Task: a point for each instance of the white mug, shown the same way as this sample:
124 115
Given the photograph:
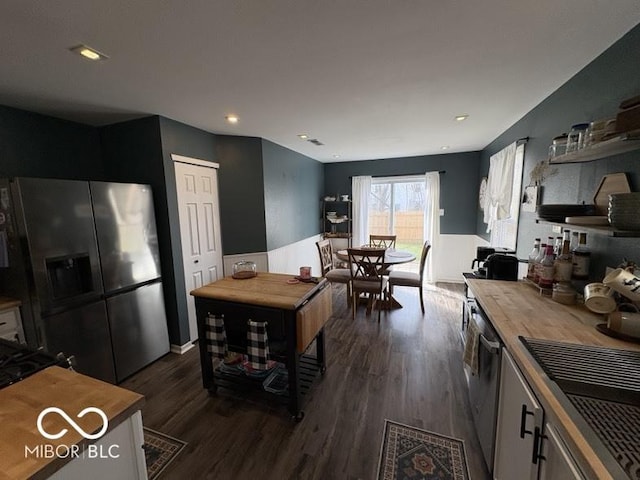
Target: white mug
625 283
599 298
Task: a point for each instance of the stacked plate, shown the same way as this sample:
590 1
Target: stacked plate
558 212
624 211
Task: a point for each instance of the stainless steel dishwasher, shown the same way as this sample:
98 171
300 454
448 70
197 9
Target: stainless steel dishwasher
485 383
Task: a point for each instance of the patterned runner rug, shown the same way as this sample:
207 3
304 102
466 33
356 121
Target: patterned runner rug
159 451
410 453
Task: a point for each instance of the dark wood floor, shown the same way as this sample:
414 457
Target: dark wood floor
407 369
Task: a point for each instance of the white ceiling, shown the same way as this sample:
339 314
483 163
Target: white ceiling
368 78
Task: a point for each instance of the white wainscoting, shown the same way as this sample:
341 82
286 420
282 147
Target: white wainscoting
290 258
259 258
457 253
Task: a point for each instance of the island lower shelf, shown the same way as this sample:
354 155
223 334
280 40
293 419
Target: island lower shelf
295 317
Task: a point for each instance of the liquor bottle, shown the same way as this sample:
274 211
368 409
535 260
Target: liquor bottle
581 258
574 240
563 265
557 247
531 267
536 269
546 269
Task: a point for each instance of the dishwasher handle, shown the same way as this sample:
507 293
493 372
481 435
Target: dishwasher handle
492 347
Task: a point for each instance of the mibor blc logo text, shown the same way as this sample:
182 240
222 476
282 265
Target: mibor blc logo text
47 450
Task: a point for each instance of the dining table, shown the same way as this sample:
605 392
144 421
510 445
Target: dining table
392 257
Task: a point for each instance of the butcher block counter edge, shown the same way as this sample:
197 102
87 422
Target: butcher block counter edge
516 309
72 392
266 290
7 303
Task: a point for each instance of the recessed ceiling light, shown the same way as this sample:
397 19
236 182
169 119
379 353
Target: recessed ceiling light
88 52
303 136
232 119
444 147
461 118
336 156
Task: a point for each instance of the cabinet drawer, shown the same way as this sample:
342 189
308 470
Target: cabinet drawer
312 317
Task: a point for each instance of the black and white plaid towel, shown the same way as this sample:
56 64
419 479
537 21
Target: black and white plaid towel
257 345
216 336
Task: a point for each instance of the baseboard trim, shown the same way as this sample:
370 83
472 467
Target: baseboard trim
181 349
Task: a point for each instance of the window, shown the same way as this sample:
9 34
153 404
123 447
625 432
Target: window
502 205
396 207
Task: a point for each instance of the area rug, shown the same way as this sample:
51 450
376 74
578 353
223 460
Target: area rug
409 453
159 451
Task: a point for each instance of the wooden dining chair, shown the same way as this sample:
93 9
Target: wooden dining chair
382 241
410 279
334 275
366 266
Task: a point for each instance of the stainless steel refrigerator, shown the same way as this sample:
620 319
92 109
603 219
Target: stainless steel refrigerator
83 258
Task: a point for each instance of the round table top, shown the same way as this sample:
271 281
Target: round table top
391 256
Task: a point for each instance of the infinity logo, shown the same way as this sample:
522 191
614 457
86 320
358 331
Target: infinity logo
69 420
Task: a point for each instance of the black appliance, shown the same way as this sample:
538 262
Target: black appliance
501 267
481 255
18 361
83 259
483 385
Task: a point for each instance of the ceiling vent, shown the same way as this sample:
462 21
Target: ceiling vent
315 141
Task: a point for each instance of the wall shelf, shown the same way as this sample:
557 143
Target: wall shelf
623 143
340 226
603 230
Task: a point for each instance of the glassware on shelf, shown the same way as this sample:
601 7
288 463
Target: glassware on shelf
576 137
558 146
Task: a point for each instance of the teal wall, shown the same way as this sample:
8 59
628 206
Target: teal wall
595 92
458 185
293 184
33 145
241 186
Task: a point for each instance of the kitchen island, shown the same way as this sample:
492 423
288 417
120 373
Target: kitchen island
26 454
516 309
295 314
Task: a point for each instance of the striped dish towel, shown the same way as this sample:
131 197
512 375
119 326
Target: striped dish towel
216 336
257 345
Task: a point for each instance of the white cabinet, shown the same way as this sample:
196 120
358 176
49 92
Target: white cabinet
526 447
556 461
519 415
117 455
11 325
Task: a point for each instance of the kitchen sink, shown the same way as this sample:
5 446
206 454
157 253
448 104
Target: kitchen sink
602 386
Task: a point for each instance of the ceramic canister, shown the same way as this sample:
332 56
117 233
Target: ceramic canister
599 298
627 323
625 283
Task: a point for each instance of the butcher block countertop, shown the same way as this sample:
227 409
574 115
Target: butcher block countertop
22 402
265 289
516 308
6 303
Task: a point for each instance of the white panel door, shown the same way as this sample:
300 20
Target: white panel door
197 188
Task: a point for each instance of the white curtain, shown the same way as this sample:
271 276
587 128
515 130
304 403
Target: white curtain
497 202
432 223
360 191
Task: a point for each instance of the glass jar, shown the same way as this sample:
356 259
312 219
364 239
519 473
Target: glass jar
244 269
563 293
558 146
576 137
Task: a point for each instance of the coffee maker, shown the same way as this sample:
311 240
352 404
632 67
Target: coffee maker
481 256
